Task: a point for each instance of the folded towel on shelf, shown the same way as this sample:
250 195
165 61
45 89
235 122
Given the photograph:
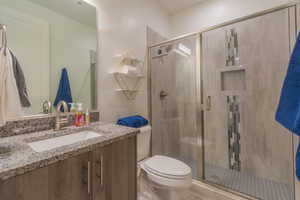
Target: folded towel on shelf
288 112
133 121
64 89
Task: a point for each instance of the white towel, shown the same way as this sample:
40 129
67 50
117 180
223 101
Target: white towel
10 105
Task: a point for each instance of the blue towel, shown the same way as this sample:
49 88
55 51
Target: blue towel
298 162
64 90
133 121
288 112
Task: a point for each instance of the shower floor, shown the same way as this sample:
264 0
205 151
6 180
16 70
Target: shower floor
248 184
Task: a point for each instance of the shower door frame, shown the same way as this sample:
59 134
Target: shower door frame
294 7
199 90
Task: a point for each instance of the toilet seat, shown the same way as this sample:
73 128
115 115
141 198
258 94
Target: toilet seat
167 171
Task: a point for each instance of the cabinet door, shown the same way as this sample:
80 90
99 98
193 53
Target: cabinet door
31 186
71 179
122 168
114 171
101 181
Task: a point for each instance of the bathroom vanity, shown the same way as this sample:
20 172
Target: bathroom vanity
98 168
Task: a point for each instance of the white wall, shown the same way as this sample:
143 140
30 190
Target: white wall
214 12
122 27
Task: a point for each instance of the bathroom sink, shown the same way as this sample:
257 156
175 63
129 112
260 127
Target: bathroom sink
53 143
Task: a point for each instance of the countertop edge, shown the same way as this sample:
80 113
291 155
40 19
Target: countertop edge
31 166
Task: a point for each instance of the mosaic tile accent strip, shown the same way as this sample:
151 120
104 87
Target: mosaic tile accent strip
232 48
19 127
234 135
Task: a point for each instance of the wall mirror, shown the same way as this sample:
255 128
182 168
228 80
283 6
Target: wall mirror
55 43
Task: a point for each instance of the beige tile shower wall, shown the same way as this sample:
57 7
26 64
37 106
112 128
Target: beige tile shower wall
122 27
213 12
261 53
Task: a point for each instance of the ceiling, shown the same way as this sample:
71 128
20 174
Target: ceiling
173 6
83 12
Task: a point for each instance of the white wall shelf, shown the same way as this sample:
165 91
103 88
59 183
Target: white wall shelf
125 90
127 75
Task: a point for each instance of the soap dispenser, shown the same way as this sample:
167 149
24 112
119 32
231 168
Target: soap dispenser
79 116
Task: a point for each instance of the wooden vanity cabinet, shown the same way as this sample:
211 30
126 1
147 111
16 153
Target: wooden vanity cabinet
64 180
124 170
114 171
100 178
30 186
108 173
69 179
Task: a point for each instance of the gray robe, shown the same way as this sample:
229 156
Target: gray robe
21 83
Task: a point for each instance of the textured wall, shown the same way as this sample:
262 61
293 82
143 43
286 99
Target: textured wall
122 28
214 12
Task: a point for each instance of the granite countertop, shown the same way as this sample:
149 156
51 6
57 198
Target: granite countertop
22 158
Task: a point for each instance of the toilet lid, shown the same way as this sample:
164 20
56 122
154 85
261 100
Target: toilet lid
168 167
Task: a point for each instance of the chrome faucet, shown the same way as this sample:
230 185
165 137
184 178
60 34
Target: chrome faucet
60 120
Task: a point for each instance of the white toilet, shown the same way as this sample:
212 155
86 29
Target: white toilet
163 174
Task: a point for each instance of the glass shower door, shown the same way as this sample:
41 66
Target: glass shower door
175 116
245 149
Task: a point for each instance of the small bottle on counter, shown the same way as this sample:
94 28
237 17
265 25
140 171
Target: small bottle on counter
72 107
79 116
87 117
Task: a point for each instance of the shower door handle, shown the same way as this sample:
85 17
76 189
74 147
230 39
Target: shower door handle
208 103
163 94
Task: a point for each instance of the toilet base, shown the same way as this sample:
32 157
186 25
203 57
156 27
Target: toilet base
148 190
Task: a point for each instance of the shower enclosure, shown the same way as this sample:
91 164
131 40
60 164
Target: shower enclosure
244 65
176 118
213 102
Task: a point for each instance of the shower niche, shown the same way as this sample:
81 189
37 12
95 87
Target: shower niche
233 79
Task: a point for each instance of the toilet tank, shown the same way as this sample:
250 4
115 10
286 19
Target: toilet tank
144 143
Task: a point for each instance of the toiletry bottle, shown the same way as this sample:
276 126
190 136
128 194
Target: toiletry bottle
79 117
87 117
72 107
